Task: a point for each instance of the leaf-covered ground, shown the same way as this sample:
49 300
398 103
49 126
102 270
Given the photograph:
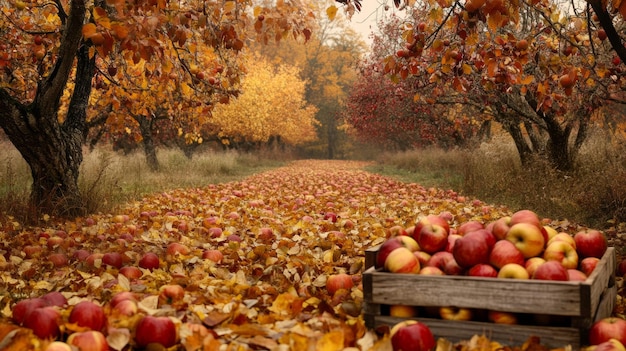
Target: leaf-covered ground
279 240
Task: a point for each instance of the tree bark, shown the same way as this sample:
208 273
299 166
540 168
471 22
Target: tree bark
53 149
149 147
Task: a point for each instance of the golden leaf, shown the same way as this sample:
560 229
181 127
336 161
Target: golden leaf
331 12
89 30
332 341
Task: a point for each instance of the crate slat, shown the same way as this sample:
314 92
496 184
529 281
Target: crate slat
456 331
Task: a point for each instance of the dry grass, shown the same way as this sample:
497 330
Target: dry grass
108 179
593 194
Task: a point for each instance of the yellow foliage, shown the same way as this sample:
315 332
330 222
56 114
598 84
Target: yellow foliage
271 104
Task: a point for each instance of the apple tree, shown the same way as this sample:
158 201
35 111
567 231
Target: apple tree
541 74
52 49
270 106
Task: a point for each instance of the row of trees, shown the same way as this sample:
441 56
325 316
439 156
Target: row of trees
138 69
543 70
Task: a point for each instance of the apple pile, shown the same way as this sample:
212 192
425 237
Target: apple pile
518 246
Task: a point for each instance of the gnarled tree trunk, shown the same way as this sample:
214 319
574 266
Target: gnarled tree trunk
53 149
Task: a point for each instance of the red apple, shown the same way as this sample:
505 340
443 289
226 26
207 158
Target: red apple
513 271
213 254
89 315
452 238
551 270
23 308
452 313
445 261
113 259
89 341
396 230
149 261
387 247
126 308
431 270
432 238
505 252
527 238
575 275
607 328
402 260
131 272
502 317
411 335
171 293
532 264
486 236
44 322
562 252
402 311
526 216
562 236
430 220
177 249
471 250
588 265
621 268
159 330
58 259
58 346
610 345
338 281
482 270
55 298
32 250
500 227
591 243
422 257
81 255
469 226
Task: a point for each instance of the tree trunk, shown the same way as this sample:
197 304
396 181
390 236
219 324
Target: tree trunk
53 149
523 149
149 148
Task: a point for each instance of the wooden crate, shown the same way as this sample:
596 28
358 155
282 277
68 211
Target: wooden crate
576 305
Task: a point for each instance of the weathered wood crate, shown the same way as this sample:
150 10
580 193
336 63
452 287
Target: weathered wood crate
575 305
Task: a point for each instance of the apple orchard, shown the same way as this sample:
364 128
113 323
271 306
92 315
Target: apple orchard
277 261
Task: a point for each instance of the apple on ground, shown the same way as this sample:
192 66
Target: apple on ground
149 261
44 322
588 264
338 281
453 313
551 270
402 260
591 243
55 298
402 311
574 275
471 249
445 261
527 238
23 308
89 340
156 330
170 293
532 264
58 346
607 328
621 268
502 317
88 314
562 252
411 335
505 252
513 271
483 270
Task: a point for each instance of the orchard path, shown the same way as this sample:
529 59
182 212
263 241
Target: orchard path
281 233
